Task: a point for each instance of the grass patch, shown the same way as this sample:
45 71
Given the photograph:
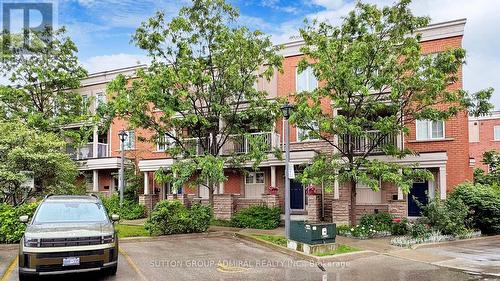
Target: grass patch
341 249
275 239
126 230
225 223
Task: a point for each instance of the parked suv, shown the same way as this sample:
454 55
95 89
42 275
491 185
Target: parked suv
68 234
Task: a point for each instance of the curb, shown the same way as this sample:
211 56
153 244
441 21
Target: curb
301 255
173 237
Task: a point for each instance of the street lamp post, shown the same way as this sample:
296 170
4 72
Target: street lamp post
286 110
121 176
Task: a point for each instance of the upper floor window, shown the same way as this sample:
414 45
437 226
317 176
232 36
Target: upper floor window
100 99
85 104
164 142
497 132
129 142
305 134
430 129
306 81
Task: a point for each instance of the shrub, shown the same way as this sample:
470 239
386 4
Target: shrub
11 229
484 204
172 217
259 217
131 210
449 217
420 229
400 227
377 222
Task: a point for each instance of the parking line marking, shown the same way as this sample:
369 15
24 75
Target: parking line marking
9 270
132 264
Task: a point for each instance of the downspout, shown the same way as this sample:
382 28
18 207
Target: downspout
322 201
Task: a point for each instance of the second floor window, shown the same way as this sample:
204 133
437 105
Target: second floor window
100 99
430 129
497 133
129 142
164 142
306 81
305 134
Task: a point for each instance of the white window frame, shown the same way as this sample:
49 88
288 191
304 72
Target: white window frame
165 142
301 131
308 72
129 145
496 133
429 130
99 101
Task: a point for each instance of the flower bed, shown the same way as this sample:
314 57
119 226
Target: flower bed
434 237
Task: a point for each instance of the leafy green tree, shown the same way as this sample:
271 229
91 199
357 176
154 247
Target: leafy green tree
199 90
42 78
27 152
492 178
375 77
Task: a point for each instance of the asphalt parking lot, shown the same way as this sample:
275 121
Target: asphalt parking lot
226 258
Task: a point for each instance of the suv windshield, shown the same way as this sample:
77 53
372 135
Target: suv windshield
61 212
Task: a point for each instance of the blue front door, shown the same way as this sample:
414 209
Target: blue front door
418 192
296 195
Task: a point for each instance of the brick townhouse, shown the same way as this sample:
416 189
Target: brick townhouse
443 149
484 135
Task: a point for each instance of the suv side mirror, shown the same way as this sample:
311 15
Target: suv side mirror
115 217
24 219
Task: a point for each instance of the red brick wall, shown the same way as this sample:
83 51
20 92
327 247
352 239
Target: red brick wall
234 182
486 141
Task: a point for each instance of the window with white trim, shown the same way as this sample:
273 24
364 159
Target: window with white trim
306 80
366 195
305 134
254 184
165 142
430 129
100 99
129 142
497 133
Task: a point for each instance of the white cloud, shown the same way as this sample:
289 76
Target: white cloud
481 38
109 62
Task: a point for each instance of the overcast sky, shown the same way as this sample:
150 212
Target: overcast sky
102 28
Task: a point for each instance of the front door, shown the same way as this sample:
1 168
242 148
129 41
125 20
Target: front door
418 192
296 195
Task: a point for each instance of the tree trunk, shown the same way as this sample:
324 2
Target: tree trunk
211 194
352 212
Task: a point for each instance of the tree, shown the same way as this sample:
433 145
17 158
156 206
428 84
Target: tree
199 90
377 82
492 159
29 153
43 77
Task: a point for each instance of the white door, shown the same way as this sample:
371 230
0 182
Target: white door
254 185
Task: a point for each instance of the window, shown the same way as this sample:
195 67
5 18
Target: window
305 134
497 133
100 99
254 184
430 130
165 142
129 141
366 195
85 104
306 81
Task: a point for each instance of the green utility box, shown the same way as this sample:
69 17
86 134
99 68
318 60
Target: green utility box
312 233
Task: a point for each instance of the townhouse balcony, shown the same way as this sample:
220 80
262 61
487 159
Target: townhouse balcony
236 144
87 151
362 144
241 144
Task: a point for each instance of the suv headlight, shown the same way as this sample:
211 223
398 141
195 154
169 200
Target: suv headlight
107 239
31 242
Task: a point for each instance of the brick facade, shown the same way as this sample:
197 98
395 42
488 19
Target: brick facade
482 139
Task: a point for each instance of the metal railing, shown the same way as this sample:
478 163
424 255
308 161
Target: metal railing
241 144
372 139
87 151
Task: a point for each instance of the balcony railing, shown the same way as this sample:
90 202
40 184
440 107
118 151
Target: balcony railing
362 144
87 151
241 144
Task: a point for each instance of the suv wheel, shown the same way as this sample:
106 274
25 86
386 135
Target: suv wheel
112 270
25 277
